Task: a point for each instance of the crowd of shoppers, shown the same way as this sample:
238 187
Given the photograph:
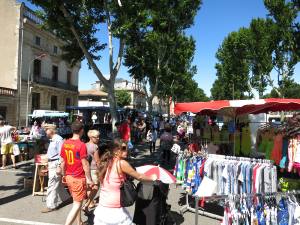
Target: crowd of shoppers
87 170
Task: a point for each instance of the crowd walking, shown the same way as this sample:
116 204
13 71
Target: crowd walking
81 171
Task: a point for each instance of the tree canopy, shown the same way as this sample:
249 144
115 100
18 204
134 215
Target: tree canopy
233 67
160 53
123 98
247 57
292 90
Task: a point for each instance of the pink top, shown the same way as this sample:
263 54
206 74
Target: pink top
110 188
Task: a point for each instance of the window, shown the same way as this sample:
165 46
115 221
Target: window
53 102
36 68
68 101
3 110
35 101
38 40
54 73
55 49
69 77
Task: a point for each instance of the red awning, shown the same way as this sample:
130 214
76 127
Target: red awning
239 107
198 107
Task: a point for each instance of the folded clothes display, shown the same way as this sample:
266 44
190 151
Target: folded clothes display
265 210
233 175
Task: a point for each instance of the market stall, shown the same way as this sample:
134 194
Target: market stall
188 169
235 110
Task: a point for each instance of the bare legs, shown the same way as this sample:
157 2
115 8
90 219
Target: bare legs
4 160
75 213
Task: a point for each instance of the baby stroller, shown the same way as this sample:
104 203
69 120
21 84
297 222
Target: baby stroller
151 206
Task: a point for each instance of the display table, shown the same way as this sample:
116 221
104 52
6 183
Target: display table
41 172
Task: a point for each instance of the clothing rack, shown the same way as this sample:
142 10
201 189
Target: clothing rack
224 197
202 212
240 158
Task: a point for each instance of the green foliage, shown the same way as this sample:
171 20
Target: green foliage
284 13
123 98
78 23
192 93
261 47
233 67
292 90
247 57
160 53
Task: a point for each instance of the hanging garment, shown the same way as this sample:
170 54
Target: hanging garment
224 135
276 153
237 139
246 141
297 153
283 214
293 144
269 146
216 134
284 160
263 143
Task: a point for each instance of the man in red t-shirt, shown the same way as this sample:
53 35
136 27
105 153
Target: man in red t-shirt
76 171
124 131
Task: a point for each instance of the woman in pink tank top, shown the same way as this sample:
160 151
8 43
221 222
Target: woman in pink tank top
112 171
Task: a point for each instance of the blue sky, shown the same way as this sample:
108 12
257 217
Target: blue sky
214 21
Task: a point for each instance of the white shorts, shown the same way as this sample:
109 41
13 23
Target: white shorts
103 216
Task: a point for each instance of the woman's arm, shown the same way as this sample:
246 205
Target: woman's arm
125 167
97 157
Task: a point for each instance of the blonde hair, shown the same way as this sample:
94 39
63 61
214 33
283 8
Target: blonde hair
93 133
49 126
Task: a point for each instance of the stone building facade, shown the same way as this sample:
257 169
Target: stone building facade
33 75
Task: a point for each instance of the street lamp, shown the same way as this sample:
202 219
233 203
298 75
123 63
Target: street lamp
28 84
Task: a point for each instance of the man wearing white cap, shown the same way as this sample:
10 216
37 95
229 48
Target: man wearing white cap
56 194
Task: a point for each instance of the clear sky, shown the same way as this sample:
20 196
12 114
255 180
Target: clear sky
214 21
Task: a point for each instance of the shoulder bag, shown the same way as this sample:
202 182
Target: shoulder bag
128 193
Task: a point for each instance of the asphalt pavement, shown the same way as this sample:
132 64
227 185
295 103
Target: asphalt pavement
18 206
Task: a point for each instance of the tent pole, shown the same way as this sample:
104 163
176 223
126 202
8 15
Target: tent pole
234 125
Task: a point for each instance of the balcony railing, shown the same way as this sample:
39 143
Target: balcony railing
31 15
53 83
7 92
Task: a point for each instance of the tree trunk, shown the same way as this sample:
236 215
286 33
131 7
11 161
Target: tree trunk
150 105
160 106
168 107
113 107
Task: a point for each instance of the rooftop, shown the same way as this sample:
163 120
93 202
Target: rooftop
92 92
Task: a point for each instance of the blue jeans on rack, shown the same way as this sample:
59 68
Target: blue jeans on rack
283 213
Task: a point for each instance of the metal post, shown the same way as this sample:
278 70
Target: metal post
196 210
20 70
28 88
28 84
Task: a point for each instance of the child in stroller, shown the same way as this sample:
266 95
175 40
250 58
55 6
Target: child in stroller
151 206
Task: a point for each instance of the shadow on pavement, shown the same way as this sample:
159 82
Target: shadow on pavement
14 197
211 207
24 170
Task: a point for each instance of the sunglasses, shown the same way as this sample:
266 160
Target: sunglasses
96 137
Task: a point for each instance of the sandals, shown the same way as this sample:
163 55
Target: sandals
47 210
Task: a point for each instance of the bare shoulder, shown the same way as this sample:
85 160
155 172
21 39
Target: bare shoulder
124 163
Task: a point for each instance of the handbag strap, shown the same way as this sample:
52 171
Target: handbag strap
118 162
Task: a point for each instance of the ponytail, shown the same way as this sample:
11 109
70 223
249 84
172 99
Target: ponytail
106 159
